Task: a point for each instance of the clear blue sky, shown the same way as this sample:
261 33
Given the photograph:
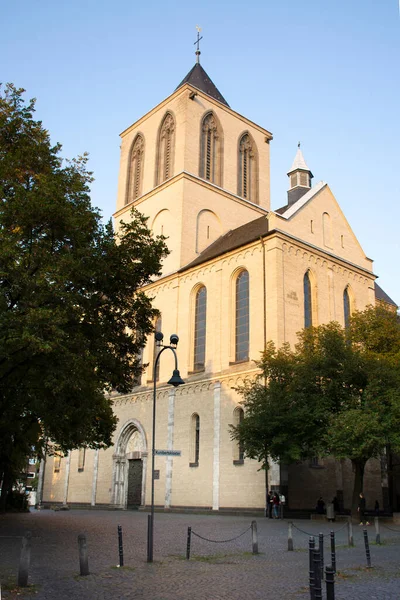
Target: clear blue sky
325 73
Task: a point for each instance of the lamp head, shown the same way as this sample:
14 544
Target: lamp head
174 339
176 379
159 336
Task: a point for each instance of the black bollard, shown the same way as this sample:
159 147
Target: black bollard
149 540
254 537
120 547
333 552
367 552
377 531
350 532
189 537
290 538
311 546
83 555
317 575
321 552
25 560
330 583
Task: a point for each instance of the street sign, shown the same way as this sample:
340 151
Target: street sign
167 452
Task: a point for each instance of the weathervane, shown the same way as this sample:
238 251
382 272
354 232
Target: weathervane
198 44
298 145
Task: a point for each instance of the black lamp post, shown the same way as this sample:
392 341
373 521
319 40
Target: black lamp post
175 380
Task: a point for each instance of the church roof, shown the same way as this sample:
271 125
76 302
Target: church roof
245 234
198 78
299 162
382 295
288 211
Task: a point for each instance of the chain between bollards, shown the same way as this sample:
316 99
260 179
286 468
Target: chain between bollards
189 537
120 547
367 552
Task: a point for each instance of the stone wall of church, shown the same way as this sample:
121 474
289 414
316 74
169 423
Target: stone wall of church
327 478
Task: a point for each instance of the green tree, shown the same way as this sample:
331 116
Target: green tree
368 423
336 394
71 304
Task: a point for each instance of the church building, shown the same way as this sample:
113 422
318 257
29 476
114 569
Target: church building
239 274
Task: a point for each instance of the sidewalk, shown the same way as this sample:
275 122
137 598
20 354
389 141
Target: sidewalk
226 571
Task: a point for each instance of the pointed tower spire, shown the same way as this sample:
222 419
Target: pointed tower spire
299 176
198 44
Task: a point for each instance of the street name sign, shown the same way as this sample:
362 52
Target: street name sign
167 452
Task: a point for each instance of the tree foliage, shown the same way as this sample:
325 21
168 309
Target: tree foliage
73 317
337 393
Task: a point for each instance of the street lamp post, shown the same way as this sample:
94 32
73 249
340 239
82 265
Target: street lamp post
175 380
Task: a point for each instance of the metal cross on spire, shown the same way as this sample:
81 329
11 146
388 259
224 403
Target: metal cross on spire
198 44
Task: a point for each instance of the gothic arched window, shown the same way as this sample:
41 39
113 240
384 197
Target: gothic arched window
242 318
200 329
211 149
135 178
346 308
195 440
248 169
307 301
165 149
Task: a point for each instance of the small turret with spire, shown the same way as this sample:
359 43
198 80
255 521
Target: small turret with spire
299 176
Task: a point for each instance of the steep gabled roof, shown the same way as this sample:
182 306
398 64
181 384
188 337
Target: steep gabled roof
198 78
381 295
245 234
298 163
288 211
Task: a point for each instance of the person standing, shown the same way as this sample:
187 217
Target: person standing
275 502
361 509
269 504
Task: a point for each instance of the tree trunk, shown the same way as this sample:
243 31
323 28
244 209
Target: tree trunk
358 468
266 486
5 488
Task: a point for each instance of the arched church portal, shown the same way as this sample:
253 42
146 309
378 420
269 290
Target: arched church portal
129 467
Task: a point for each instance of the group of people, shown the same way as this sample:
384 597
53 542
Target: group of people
275 503
320 508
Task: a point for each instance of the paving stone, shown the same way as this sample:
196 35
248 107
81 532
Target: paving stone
216 571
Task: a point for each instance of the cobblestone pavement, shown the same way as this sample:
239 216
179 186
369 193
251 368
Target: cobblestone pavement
227 571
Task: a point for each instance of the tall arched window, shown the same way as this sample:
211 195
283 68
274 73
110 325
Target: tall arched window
242 319
346 308
248 169
165 149
307 301
195 440
200 329
211 149
157 327
135 169
238 456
